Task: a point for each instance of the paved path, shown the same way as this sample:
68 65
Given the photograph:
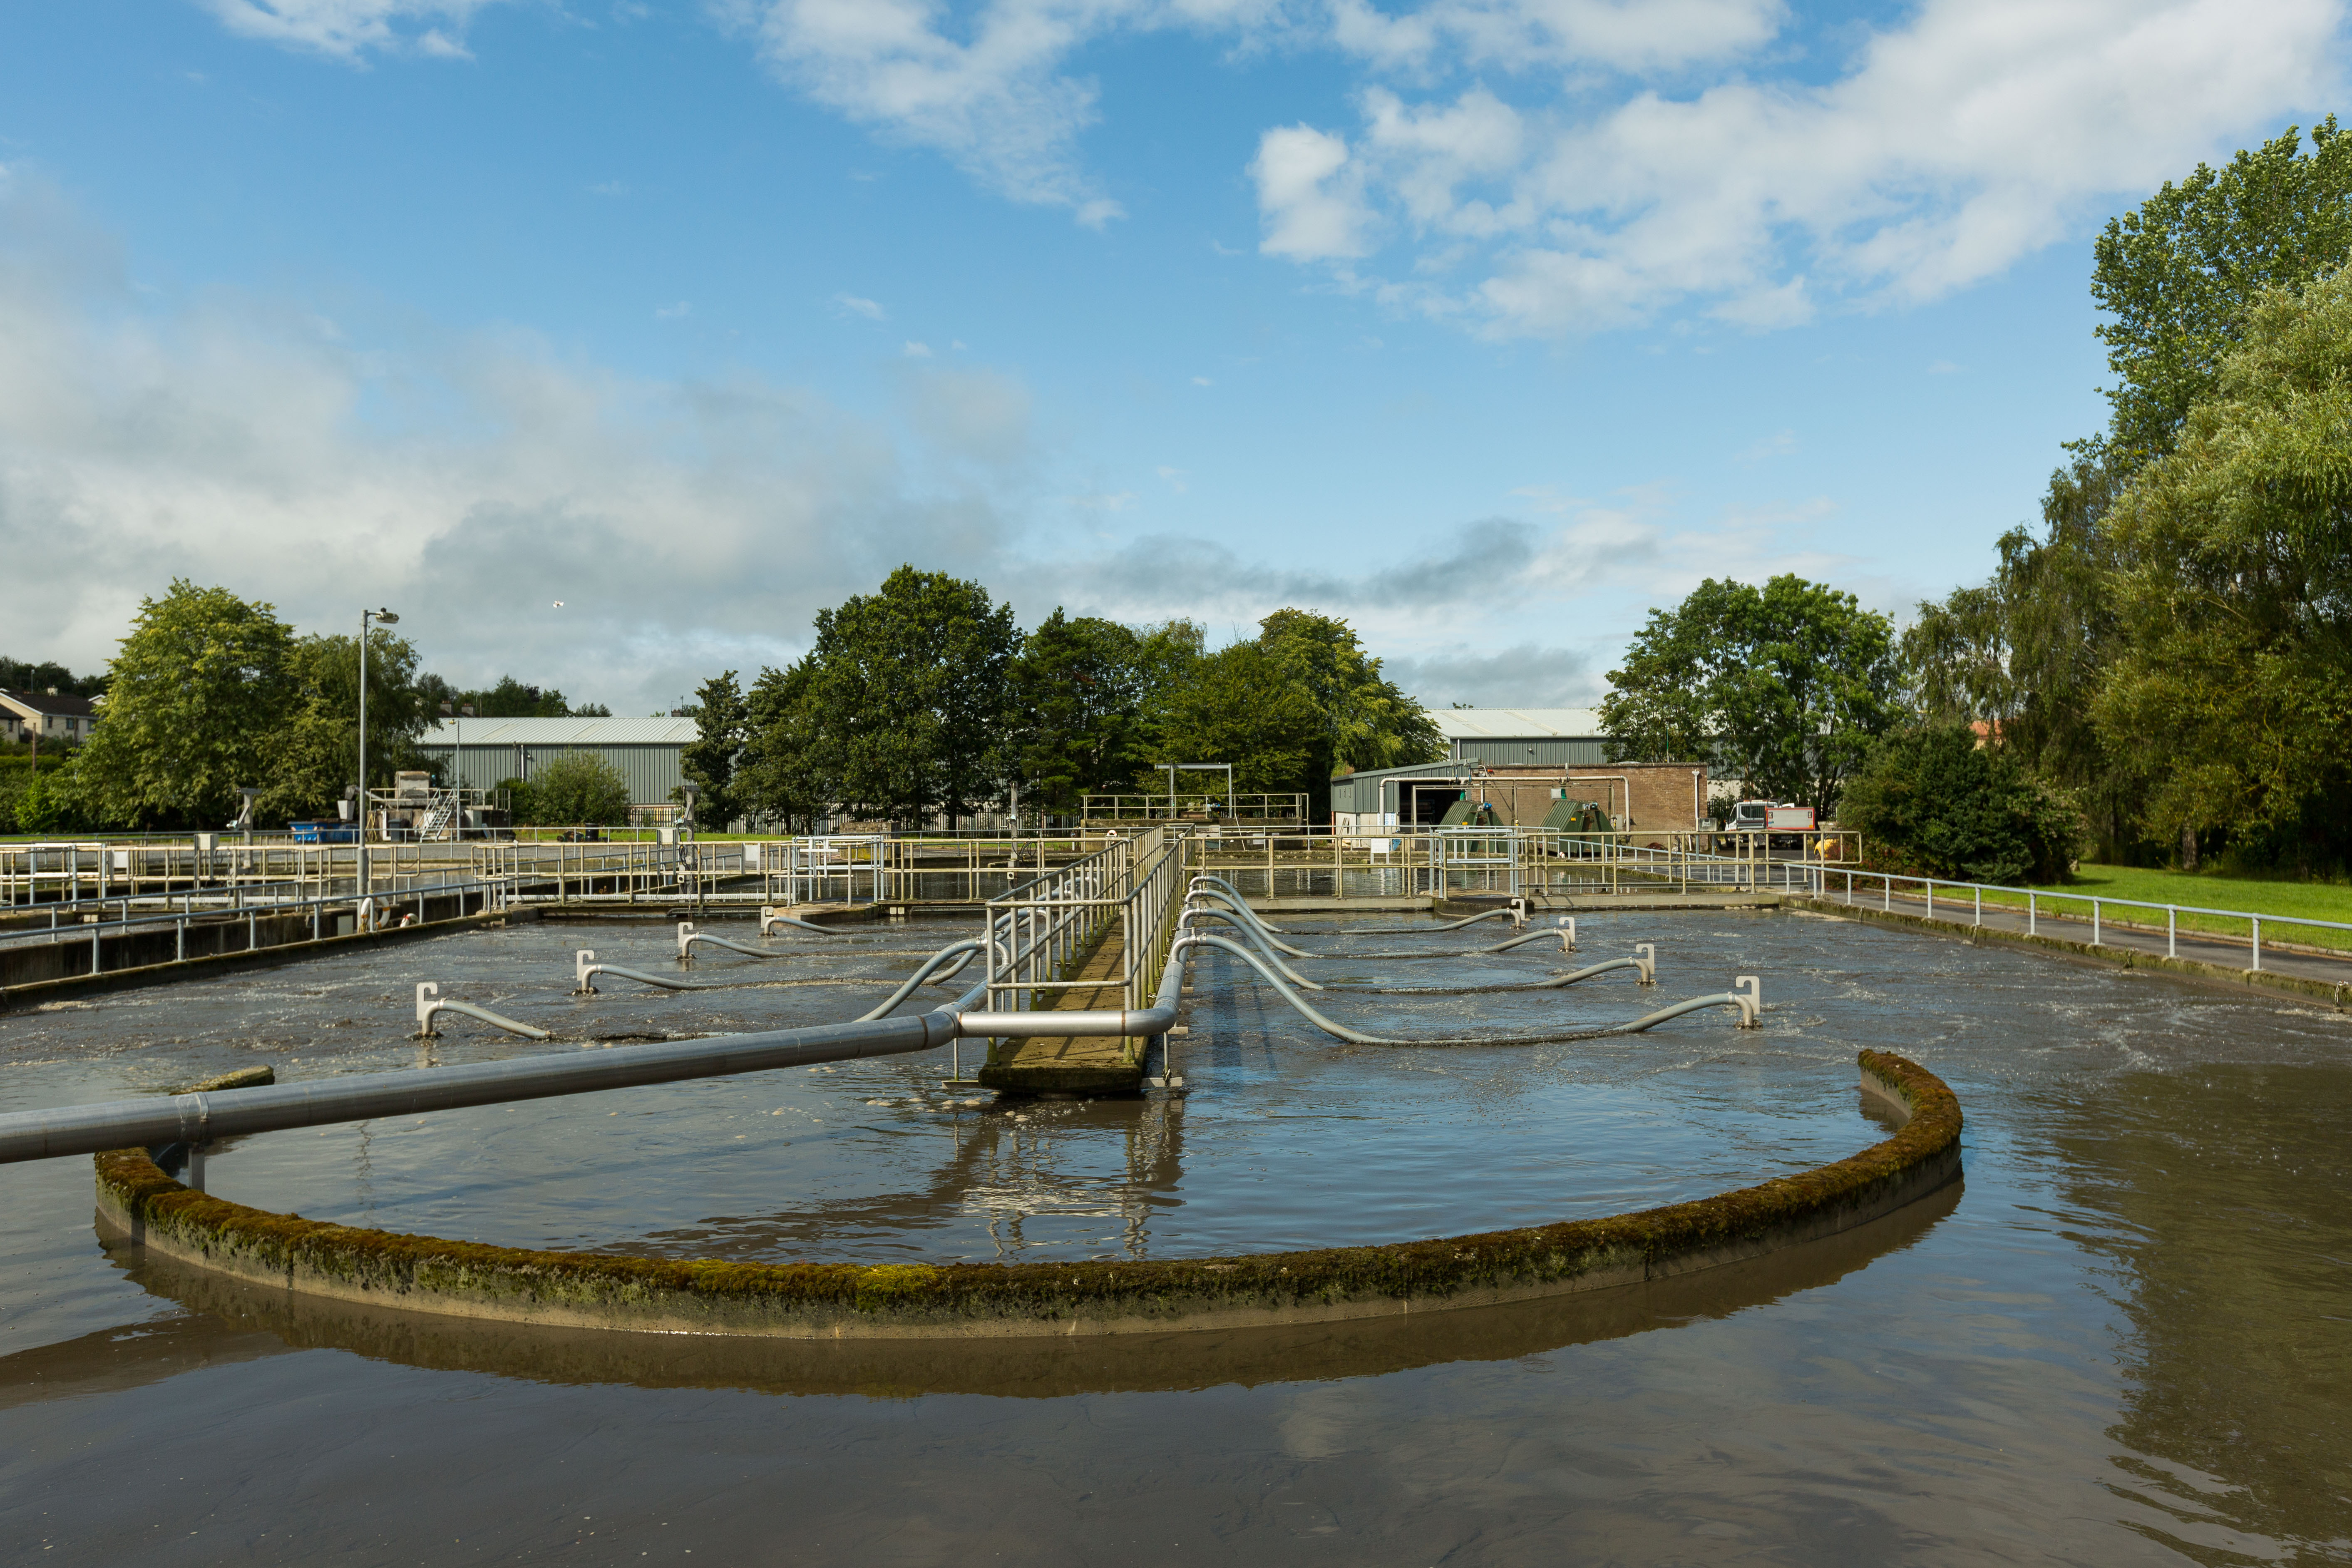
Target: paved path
2202 947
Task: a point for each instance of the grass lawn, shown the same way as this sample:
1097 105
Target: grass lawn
2208 890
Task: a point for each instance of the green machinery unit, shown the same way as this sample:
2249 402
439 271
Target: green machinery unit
1577 816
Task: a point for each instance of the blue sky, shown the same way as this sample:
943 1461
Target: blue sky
1488 324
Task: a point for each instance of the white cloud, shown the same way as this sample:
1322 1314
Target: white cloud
917 351
1548 168
1636 36
1968 136
349 28
860 306
1309 195
992 100
672 312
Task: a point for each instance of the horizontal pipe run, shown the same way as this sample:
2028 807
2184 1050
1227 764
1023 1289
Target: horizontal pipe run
201 1119
1060 1022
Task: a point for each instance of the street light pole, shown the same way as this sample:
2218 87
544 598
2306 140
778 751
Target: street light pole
388 618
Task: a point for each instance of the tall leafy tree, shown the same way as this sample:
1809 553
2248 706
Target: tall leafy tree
780 777
2023 653
1788 685
712 758
316 753
1077 698
1368 722
908 690
2231 694
2177 273
1238 705
198 694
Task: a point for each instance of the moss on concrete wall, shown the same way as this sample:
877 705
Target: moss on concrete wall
843 1300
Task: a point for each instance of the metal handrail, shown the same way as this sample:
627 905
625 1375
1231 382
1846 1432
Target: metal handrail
55 935
2032 897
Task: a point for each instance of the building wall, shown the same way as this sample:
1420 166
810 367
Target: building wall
1664 797
1551 752
652 770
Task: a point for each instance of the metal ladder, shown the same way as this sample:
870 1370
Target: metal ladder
436 820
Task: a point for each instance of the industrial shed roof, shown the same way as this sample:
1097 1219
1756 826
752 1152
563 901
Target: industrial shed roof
562 732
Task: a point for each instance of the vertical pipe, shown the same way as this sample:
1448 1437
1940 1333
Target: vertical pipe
2033 926
2171 931
1979 919
2094 923
2258 941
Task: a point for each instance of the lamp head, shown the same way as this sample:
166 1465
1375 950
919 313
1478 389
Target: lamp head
387 618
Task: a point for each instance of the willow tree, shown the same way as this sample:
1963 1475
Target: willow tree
2232 695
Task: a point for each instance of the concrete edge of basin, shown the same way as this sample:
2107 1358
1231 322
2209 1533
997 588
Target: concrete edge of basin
2336 994
840 1300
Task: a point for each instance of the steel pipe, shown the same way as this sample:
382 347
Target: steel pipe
199 1119
687 936
772 916
426 1006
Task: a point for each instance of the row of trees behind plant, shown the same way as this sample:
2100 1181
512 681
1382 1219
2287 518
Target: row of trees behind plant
209 692
923 700
2164 668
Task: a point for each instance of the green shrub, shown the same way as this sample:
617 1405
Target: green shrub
522 801
579 789
47 804
1931 801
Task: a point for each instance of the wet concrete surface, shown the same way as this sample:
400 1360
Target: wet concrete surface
2125 1340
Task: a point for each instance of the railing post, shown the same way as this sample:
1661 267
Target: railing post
2032 927
2171 931
1979 892
2094 923
2258 941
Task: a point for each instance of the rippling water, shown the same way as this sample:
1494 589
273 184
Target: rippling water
2125 1341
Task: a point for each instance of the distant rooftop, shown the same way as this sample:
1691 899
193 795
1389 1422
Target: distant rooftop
561 732
1514 723
49 703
